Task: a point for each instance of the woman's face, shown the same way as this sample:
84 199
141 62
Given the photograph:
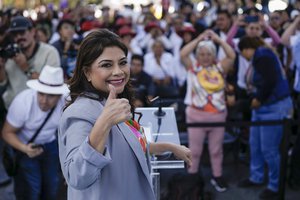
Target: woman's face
254 29
205 57
110 67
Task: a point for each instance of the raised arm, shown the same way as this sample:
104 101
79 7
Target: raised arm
189 48
114 112
234 29
271 32
291 30
227 62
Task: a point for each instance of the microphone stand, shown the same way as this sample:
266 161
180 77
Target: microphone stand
159 114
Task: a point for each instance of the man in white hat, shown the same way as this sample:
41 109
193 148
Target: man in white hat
38 173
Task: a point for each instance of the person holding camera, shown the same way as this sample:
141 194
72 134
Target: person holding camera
30 128
253 25
25 58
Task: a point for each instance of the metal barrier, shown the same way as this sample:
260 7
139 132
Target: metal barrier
286 123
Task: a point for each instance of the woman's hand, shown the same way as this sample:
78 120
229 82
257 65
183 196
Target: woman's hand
261 20
240 21
201 37
213 36
116 110
183 153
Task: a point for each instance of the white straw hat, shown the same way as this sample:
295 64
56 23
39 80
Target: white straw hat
51 81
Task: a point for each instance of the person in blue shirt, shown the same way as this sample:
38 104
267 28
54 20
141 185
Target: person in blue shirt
269 90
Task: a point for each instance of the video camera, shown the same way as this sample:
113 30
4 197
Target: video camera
10 51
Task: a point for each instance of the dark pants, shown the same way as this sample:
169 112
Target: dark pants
243 103
295 161
38 177
295 158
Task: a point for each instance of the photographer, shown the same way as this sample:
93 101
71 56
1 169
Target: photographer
25 58
34 109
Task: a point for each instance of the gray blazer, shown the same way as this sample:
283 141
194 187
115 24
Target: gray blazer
123 172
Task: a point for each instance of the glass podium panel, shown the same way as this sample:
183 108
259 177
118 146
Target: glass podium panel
160 126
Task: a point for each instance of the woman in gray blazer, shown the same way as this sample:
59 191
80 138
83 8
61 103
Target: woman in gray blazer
103 151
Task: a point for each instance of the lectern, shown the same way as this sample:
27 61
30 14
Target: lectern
160 126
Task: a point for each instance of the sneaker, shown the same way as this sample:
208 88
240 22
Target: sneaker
247 183
219 183
268 194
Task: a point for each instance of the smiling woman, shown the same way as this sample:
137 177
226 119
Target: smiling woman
100 143
110 67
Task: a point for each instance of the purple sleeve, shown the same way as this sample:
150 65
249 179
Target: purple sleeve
274 35
230 35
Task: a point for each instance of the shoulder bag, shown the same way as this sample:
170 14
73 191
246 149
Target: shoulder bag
11 157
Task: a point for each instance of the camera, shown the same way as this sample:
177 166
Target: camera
10 51
251 18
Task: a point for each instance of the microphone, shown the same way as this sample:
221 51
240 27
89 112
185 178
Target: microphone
159 113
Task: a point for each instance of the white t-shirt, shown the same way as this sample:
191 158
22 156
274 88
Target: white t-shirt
166 67
244 64
25 114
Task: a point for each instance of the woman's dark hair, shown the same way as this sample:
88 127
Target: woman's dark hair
90 49
247 42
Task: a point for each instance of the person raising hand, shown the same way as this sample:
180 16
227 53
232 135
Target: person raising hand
100 143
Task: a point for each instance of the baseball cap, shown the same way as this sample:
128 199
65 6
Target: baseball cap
20 23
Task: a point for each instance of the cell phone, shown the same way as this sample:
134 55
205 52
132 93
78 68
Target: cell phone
251 18
34 146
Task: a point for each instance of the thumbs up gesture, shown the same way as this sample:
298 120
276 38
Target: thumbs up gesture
116 110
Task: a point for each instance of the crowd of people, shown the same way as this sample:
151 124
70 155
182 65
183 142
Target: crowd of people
228 59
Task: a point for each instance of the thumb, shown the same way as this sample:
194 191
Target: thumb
112 92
